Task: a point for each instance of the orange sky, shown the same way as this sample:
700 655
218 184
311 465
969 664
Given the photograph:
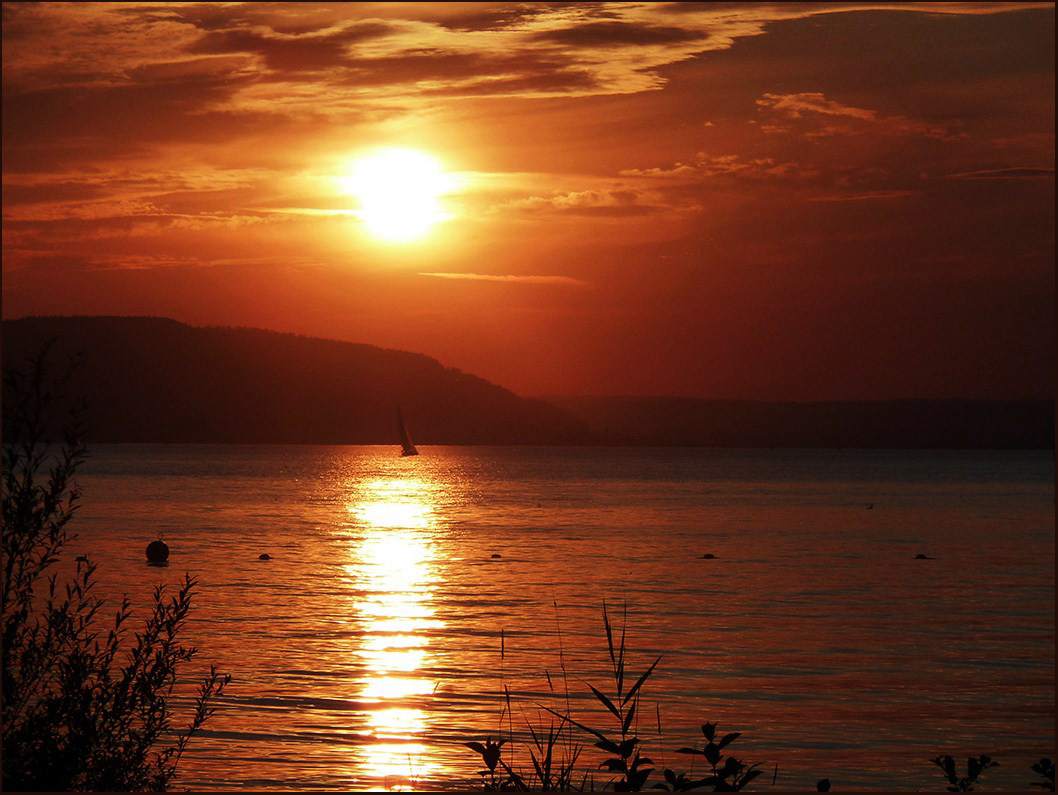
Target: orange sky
735 200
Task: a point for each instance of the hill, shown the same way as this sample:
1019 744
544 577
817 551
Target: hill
967 424
156 380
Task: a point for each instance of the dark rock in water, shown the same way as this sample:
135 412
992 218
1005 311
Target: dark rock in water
920 556
495 555
708 556
264 556
157 551
869 506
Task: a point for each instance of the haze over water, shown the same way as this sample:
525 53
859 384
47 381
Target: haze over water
369 647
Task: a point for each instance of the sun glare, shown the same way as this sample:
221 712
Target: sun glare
400 192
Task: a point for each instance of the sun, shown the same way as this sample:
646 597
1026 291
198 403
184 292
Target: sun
400 192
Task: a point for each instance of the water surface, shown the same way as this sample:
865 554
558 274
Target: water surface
369 647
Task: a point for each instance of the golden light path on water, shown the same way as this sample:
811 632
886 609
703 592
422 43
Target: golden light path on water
393 572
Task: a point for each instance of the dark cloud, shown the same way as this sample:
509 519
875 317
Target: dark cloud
38 263
57 127
219 67
14 194
17 22
491 18
618 34
292 53
691 6
463 73
504 15
556 82
204 16
873 51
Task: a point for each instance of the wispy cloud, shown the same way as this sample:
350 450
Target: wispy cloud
705 165
1006 173
813 115
602 203
871 195
565 281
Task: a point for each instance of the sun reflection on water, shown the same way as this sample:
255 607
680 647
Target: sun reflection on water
393 573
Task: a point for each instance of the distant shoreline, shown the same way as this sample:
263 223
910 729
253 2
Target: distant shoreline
158 381
425 447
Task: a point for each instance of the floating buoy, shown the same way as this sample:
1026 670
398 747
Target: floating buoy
157 551
708 556
264 556
495 555
920 556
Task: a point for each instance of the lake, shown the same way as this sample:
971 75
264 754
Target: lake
382 633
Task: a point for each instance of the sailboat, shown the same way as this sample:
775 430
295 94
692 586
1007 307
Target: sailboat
406 447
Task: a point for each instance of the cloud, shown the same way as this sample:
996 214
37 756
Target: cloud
1006 173
496 17
873 195
619 34
794 106
566 281
328 57
65 262
602 203
705 166
814 116
439 71
292 52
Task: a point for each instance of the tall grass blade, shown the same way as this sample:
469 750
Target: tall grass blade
628 718
609 637
568 719
641 680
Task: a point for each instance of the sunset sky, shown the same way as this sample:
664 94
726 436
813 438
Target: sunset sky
731 200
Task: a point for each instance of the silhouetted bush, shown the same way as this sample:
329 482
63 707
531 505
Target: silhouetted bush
77 712
1045 768
975 766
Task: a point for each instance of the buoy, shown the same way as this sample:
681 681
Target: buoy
708 556
264 556
495 555
157 551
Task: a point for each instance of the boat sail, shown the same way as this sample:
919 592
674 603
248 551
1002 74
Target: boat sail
406 447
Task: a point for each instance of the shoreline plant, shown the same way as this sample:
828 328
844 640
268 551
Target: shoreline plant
82 707
632 771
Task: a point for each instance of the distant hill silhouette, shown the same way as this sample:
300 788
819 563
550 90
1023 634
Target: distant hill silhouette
966 424
156 380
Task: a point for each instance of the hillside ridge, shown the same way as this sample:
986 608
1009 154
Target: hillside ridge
159 380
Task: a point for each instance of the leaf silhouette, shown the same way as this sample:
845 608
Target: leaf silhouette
641 680
606 702
728 738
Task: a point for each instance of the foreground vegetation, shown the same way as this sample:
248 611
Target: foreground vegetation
556 752
83 709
